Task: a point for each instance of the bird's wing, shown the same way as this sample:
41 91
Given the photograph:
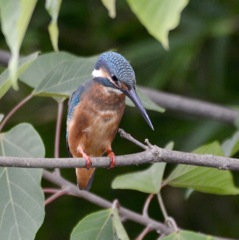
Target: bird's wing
74 100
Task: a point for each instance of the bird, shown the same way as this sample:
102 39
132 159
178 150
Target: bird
95 110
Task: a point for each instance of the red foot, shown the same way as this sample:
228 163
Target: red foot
111 155
85 156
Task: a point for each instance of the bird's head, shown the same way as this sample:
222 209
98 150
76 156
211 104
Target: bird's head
115 72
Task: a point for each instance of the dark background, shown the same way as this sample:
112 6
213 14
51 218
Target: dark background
202 63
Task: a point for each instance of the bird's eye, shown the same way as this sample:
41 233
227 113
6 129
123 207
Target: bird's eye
114 78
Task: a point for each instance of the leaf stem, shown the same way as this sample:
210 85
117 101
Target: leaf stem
146 205
162 206
51 190
56 195
144 233
18 106
58 129
58 132
169 220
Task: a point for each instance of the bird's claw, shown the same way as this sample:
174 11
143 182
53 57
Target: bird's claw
111 155
88 162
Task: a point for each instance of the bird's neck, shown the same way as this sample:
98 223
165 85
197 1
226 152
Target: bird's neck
106 98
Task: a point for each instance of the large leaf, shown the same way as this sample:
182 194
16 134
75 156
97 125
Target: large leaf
187 235
53 8
104 224
231 145
118 226
204 179
15 17
59 74
44 64
66 77
159 17
24 63
147 181
21 198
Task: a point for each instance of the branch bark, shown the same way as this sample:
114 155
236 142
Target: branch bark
124 212
128 214
192 106
151 155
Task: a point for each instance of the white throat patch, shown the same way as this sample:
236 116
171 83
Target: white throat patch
98 73
101 73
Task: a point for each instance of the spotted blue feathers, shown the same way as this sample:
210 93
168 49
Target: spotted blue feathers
117 66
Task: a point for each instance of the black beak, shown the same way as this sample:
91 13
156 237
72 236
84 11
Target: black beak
131 93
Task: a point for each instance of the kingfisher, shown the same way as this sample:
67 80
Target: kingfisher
95 110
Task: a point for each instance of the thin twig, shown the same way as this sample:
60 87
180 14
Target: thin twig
162 207
172 224
116 204
168 220
161 228
58 194
148 143
58 133
146 205
58 129
127 136
19 105
144 233
90 197
51 190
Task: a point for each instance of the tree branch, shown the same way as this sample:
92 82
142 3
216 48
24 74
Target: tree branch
72 189
19 105
192 106
152 155
175 102
128 214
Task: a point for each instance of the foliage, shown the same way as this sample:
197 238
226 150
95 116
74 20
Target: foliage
22 198
57 74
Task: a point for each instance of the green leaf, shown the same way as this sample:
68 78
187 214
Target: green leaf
24 63
44 64
15 17
147 102
110 6
53 8
231 145
147 181
159 17
204 179
187 235
66 77
22 198
118 226
103 224
59 74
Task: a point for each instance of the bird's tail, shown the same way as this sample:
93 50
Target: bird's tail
85 178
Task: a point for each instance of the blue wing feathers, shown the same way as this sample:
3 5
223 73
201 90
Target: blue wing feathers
74 100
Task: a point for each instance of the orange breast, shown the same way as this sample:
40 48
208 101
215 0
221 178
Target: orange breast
95 121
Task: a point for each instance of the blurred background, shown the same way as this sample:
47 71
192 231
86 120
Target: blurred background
202 63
